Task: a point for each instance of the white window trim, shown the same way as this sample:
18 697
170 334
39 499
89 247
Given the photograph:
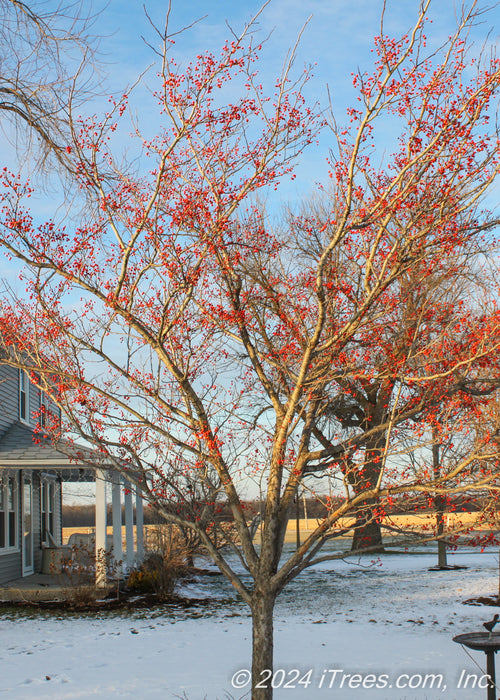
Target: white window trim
44 408
49 480
4 481
26 391
51 409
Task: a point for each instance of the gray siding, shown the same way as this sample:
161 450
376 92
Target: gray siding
9 396
9 399
10 567
34 405
11 562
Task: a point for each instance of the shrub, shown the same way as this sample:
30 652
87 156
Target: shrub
78 573
162 568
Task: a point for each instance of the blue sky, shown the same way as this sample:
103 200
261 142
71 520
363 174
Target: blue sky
338 37
337 40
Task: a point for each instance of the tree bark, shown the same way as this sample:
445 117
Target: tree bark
367 531
262 644
439 503
442 557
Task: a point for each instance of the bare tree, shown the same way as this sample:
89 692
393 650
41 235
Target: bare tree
192 344
47 61
428 307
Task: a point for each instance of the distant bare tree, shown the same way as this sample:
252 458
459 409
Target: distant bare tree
47 53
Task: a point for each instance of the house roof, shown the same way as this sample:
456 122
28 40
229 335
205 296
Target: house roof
21 448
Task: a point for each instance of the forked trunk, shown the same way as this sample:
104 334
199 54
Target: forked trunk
262 646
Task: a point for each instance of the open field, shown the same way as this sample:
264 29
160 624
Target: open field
420 523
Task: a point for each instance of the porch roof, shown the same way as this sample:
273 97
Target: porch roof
21 448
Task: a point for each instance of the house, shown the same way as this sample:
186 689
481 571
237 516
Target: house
32 472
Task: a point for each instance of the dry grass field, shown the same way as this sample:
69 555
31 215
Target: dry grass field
422 523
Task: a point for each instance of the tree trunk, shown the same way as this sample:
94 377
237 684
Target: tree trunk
367 531
439 502
442 557
297 521
262 644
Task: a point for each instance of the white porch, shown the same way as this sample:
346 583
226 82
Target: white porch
22 454
133 554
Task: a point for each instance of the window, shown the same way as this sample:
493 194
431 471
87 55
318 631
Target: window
50 414
23 396
8 512
12 511
44 408
47 508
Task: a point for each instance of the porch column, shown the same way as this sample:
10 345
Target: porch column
129 524
116 505
100 528
139 524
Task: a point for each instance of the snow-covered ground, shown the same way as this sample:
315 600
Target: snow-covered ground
389 625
